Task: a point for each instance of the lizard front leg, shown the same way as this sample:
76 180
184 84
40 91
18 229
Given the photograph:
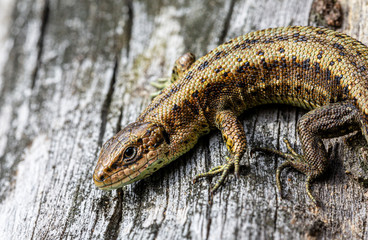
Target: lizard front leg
328 121
234 138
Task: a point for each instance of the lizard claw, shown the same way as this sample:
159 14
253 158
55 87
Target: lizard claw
223 169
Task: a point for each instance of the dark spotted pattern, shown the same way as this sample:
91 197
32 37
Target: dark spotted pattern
271 55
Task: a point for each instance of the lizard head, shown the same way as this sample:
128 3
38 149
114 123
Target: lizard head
132 154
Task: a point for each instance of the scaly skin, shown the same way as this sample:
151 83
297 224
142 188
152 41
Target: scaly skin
313 68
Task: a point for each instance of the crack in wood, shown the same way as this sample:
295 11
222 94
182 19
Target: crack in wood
129 26
44 22
37 216
226 23
106 104
112 229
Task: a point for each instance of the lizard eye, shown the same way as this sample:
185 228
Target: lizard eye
129 154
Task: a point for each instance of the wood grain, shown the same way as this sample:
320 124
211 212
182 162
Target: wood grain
74 72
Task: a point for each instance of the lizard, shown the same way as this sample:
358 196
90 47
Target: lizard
317 69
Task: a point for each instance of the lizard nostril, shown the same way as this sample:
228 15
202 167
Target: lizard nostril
99 176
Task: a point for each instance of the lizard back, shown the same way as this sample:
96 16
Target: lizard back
301 66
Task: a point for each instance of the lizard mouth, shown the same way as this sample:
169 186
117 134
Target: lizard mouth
118 179
111 185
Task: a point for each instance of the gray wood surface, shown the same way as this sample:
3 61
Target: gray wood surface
72 73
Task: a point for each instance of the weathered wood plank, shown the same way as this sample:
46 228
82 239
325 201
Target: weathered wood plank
78 71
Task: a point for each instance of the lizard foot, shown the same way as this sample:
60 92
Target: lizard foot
181 66
294 160
223 169
161 84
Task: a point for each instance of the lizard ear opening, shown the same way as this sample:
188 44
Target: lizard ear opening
166 136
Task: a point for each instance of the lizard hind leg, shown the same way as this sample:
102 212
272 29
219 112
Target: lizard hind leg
328 121
234 138
181 66
295 161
